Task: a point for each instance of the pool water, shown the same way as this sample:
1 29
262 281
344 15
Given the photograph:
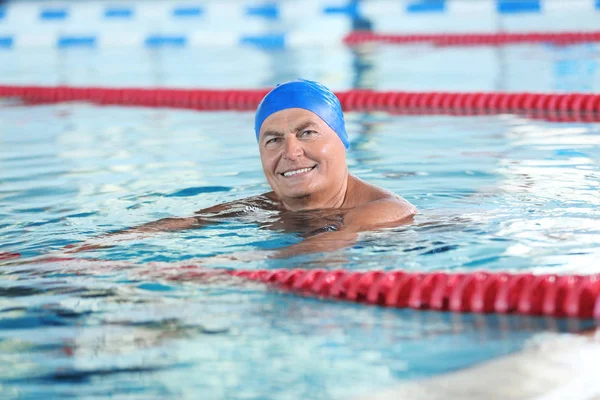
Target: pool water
495 193
501 193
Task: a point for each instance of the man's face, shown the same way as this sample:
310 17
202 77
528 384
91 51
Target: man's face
301 155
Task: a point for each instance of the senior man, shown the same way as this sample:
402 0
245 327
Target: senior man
302 140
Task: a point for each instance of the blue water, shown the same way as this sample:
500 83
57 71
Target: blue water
495 193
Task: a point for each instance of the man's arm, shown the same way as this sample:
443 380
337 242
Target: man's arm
109 239
388 212
384 213
201 218
206 216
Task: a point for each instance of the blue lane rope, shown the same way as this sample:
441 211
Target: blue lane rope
187 12
76 41
267 42
6 42
118 12
351 9
519 6
426 6
273 10
267 11
54 14
166 41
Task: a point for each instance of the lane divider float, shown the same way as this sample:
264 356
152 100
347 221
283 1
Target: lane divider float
552 295
481 292
473 39
564 107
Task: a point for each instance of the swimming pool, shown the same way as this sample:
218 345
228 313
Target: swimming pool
495 193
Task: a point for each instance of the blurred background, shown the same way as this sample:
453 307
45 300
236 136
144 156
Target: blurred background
247 44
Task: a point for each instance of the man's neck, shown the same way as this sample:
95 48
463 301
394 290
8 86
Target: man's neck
332 199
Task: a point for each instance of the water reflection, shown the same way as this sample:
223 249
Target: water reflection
550 176
223 328
496 193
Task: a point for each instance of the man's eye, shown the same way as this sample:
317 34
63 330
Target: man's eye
273 140
307 133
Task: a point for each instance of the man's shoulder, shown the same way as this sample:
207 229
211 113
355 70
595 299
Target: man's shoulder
392 207
367 193
386 212
379 207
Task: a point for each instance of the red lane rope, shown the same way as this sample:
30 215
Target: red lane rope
526 294
200 99
568 107
473 39
576 296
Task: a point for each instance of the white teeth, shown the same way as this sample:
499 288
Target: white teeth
298 171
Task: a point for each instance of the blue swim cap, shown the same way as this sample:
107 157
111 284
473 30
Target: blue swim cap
309 95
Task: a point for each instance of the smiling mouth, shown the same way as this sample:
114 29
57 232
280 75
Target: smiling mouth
299 171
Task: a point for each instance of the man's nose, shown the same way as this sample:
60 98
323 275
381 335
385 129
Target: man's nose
293 148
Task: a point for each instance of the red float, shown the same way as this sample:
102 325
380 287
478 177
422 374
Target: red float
567 107
473 39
